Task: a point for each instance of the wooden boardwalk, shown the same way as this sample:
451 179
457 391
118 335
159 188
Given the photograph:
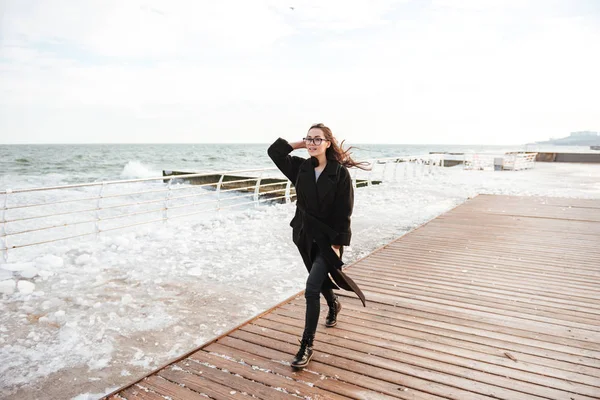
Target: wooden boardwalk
498 298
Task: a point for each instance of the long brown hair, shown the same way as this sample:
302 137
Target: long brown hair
336 151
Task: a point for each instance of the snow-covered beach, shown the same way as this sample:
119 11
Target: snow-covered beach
89 316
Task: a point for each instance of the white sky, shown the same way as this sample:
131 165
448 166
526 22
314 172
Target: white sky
376 71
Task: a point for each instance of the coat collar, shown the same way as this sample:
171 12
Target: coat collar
318 190
330 168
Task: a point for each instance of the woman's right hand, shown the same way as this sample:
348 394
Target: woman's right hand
298 145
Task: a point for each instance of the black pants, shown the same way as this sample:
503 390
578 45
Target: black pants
314 287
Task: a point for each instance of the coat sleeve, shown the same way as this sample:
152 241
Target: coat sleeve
342 209
279 152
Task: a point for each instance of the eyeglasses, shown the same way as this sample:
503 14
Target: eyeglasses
316 141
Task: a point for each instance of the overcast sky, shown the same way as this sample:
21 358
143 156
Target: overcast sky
376 71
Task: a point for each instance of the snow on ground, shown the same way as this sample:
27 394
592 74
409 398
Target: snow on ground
91 315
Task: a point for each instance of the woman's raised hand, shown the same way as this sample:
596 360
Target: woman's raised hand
298 145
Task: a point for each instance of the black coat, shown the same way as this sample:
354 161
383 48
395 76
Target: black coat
323 210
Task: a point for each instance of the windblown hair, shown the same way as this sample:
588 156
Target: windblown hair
336 151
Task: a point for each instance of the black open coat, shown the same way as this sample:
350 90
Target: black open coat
323 210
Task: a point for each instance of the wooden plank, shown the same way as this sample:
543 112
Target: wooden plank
571 214
538 322
586 316
458 387
438 321
531 201
495 319
371 380
469 331
561 317
549 261
437 340
466 274
499 227
461 278
200 384
484 272
497 224
322 381
135 392
167 388
402 276
534 200
505 265
366 339
399 279
501 234
237 383
531 241
241 367
511 251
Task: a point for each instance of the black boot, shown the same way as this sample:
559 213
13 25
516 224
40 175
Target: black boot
334 310
305 353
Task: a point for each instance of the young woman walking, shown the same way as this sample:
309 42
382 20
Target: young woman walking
321 225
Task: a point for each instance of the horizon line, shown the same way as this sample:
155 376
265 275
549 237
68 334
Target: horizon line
255 143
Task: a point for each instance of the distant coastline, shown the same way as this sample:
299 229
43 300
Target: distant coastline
583 138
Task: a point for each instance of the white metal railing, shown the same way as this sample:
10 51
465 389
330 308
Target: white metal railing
508 161
480 161
519 161
36 216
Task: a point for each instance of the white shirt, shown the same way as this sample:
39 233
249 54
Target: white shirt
317 174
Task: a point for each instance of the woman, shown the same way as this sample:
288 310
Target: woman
321 225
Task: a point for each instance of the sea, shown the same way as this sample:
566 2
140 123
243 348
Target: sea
27 166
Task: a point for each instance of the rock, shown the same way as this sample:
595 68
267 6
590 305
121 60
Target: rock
45 274
49 261
29 272
197 271
5 274
7 286
83 259
15 267
126 299
26 287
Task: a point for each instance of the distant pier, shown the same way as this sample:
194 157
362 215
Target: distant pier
245 183
593 158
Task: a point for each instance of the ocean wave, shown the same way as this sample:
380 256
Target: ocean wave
23 161
135 169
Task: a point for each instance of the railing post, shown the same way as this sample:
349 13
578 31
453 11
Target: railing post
383 173
219 191
373 164
3 233
257 189
167 198
288 187
395 169
354 178
98 208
